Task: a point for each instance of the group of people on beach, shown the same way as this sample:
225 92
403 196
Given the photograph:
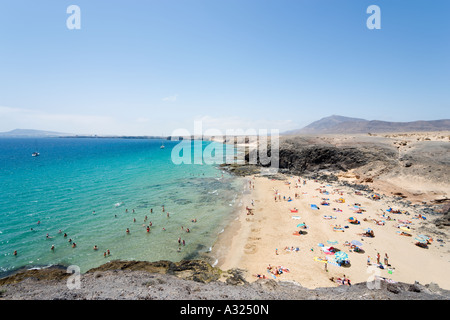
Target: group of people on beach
386 260
353 248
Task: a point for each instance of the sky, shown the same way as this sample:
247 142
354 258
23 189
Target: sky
151 67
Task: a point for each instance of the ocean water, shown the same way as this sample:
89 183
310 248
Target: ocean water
84 188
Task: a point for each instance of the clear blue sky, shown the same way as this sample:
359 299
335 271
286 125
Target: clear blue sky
149 67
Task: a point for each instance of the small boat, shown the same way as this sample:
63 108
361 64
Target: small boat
35 154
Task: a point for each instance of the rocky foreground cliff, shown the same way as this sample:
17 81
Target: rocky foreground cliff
190 280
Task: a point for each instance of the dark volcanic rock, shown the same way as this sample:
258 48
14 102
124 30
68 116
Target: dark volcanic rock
196 270
301 158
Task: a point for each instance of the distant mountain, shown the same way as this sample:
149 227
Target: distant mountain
30 133
341 125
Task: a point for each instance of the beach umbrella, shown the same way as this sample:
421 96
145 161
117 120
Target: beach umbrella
356 243
320 244
421 240
368 229
340 256
300 225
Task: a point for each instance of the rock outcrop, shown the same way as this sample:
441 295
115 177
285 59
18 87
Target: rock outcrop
191 280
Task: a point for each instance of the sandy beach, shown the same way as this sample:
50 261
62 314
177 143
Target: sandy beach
261 238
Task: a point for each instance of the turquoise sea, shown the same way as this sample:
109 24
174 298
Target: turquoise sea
88 189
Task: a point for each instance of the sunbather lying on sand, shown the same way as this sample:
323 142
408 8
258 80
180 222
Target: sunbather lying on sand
292 249
369 234
341 281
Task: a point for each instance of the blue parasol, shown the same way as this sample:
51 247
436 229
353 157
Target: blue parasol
340 256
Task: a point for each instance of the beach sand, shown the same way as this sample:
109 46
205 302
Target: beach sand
250 242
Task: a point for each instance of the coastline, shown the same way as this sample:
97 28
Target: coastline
220 251
199 280
247 244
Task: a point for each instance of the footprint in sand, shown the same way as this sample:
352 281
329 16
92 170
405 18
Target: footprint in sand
250 248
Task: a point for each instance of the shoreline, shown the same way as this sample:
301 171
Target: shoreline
250 241
220 249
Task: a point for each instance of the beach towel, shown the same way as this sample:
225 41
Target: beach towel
333 262
273 276
296 217
314 207
320 260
